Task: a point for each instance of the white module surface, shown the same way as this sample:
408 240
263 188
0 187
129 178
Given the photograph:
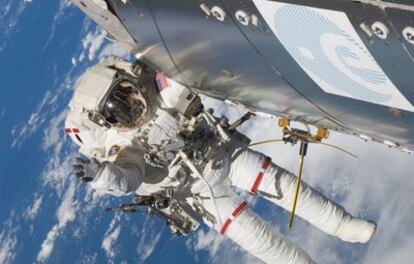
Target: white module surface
326 46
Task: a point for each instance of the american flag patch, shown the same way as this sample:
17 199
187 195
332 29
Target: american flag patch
161 81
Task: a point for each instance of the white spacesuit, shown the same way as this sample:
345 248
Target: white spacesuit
145 140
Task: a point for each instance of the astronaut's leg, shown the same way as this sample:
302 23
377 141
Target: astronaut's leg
261 239
252 233
254 172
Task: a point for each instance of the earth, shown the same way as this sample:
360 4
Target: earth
47 215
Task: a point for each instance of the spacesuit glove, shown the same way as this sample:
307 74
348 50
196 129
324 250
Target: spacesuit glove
86 169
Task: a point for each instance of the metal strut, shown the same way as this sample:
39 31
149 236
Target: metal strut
302 153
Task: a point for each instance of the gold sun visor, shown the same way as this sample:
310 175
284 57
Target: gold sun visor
125 106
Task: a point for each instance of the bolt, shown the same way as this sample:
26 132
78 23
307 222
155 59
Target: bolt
380 30
408 34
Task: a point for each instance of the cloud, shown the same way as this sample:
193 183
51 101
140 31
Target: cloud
22 132
92 43
45 111
58 18
56 174
8 238
111 238
2 113
48 117
109 241
8 241
48 107
10 13
7 245
149 237
209 240
89 258
114 49
388 193
219 248
64 215
96 46
74 61
148 248
32 211
58 171
375 186
53 136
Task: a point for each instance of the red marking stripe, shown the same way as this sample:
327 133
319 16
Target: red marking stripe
260 175
239 209
235 213
72 130
225 226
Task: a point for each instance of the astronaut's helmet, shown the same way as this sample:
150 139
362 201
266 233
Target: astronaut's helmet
115 97
125 105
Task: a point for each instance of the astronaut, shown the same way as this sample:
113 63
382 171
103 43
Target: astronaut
145 134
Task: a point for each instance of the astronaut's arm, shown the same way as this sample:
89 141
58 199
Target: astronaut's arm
121 177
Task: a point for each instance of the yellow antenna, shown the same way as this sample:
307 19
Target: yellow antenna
302 154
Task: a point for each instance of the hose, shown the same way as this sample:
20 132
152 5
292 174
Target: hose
193 168
325 144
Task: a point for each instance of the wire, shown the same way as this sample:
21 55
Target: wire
325 144
339 148
266 142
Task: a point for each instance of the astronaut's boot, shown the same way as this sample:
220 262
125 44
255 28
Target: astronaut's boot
356 230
